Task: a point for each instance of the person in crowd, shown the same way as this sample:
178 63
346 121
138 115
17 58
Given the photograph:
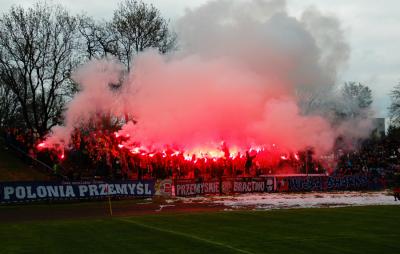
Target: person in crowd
396 193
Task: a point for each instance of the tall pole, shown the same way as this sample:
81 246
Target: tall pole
109 205
109 201
307 163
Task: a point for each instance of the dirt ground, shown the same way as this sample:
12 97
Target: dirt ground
98 209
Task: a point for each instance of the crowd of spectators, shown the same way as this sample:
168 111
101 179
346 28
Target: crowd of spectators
101 154
374 157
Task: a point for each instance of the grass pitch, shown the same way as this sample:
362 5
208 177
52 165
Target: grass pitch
374 229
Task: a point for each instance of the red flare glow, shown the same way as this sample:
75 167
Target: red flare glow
135 150
205 154
41 145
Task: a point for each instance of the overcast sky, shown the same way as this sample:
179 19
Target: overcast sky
372 28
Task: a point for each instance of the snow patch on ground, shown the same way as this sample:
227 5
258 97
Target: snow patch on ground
269 201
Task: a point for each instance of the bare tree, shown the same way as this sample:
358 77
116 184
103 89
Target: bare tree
354 101
9 108
394 109
137 26
98 38
37 53
315 100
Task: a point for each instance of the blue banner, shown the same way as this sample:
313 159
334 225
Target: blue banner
34 191
315 183
328 183
349 183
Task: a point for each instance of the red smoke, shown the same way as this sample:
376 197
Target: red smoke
235 79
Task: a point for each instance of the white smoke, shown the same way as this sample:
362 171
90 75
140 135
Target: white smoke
237 76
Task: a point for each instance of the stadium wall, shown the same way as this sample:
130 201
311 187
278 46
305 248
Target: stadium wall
12 192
